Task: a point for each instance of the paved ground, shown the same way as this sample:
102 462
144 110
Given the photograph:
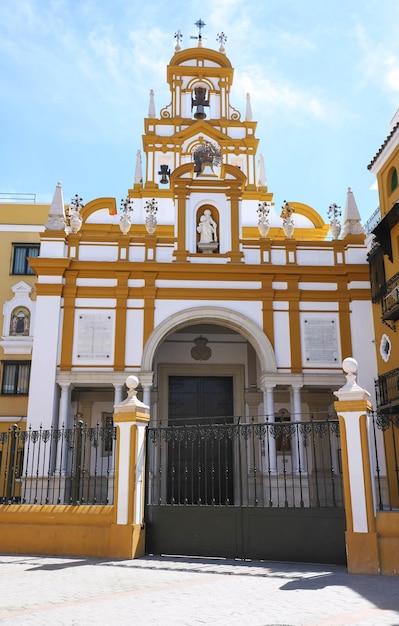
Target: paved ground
188 591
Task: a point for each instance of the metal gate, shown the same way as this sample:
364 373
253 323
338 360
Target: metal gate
258 490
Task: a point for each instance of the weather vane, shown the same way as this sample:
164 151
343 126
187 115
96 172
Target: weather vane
178 36
199 24
221 38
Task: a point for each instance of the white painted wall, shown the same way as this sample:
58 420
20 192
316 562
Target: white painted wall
282 338
364 348
134 337
166 308
43 394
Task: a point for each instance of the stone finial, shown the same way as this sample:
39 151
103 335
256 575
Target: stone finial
56 216
248 109
261 172
352 221
138 173
351 390
151 108
132 402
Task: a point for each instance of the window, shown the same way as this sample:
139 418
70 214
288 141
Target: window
15 377
22 251
394 179
377 274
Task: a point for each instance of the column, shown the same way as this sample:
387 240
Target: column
296 416
353 408
118 396
269 409
146 379
63 413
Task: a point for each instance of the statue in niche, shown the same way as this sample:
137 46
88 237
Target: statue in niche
207 229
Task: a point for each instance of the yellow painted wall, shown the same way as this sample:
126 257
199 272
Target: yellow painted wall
68 530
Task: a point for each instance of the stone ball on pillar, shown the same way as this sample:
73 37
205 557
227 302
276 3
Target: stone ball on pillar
349 365
132 382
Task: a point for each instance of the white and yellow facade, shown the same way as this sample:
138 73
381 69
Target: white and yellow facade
274 314
278 314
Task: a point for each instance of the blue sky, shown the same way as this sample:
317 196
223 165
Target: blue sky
75 80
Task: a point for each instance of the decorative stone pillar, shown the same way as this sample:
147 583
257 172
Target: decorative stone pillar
63 413
118 393
146 379
269 408
296 416
128 533
353 408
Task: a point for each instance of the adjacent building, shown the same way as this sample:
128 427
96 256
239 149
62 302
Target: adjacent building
384 273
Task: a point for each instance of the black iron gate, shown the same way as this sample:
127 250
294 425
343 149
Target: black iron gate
260 490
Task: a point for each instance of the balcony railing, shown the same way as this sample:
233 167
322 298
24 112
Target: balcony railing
372 221
387 389
390 302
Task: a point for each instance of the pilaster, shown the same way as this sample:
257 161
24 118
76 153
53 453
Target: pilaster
130 418
353 408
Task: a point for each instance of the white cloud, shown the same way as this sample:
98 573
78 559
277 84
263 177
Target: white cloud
380 59
275 96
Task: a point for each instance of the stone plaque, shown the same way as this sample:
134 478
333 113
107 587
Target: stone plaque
94 336
320 338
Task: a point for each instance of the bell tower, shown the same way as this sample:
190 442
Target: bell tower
200 81
200 156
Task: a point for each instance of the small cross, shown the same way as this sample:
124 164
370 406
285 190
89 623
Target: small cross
199 24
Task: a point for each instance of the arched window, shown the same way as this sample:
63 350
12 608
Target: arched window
393 180
20 321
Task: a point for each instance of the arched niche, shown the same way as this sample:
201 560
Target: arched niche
18 321
207 222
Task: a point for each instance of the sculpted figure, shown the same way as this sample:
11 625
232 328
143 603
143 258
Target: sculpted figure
207 228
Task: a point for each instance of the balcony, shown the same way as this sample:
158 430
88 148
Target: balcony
390 302
387 391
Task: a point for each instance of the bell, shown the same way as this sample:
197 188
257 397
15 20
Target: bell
164 172
200 102
200 112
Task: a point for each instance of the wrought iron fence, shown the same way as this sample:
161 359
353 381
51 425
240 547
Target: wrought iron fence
57 466
267 464
385 454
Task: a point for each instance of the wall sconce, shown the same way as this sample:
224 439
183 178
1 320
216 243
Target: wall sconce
124 221
73 217
151 207
164 173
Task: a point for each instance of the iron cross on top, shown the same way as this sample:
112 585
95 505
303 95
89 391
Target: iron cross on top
200 25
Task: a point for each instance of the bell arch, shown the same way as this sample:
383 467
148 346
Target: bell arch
217 315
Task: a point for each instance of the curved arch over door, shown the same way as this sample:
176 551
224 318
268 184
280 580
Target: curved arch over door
216 315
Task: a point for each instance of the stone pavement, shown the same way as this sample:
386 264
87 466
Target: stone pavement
190 591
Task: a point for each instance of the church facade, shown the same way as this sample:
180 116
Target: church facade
228 308
193 288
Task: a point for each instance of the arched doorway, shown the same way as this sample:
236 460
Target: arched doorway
210 488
